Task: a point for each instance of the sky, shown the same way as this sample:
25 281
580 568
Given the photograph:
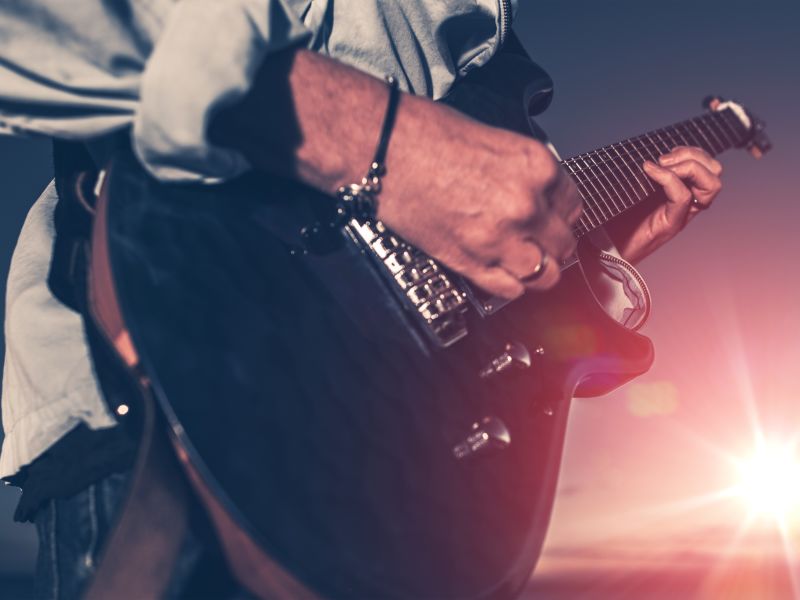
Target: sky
645 497
646 505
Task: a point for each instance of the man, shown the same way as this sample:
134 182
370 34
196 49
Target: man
286 86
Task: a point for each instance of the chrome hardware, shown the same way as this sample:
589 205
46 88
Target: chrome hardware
548 410
490 433
485 304
425 289
515 355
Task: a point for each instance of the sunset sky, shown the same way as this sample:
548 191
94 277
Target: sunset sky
646 482
645 495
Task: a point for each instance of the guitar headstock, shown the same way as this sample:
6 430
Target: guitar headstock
755 139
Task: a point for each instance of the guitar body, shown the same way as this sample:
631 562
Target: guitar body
316 412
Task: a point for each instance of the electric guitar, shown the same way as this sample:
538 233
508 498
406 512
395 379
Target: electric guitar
375 424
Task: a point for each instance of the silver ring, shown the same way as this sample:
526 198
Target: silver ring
699 205
540 267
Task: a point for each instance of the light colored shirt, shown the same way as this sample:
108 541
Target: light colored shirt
76 70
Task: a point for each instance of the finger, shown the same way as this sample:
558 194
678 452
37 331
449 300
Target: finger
547 278
555 236
686 153
543 275
702 183
531 263
566 199
679 197
527 260
497 282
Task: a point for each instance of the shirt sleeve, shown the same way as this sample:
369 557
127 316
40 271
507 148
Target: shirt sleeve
205 58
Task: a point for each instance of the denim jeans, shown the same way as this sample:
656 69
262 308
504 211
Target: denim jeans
72 532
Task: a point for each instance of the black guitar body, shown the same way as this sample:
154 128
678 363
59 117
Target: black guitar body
315 409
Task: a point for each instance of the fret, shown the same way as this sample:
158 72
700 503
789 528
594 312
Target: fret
590 207
619 188
640 165
653 146
612 208
588 210
611 179
569 163
667 146
719 121
627 187
625 163
674 133
689 135
738 128
642 145
636 167
596 206
579 229
653 143
717 143
722 134
706 145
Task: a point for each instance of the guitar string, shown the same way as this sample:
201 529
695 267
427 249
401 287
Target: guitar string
710 139
715 138
648 137
644 142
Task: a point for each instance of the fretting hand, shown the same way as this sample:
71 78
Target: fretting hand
690 181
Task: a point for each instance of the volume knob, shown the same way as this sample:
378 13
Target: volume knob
489 433
514 355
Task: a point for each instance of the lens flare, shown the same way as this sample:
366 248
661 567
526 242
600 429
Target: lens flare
770 482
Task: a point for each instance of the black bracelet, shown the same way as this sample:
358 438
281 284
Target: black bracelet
360 199
388 122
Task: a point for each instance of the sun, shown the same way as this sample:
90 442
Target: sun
770 482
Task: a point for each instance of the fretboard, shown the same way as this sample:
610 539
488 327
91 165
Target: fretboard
611 179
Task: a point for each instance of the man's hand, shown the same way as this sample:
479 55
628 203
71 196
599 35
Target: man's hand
487 203
690 180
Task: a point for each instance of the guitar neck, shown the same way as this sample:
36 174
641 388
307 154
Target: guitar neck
611 179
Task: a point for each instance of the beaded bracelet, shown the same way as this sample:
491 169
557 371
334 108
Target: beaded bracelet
360 199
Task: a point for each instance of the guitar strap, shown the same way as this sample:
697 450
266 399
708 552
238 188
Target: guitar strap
139 556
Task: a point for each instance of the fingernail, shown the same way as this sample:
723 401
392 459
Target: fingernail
648 165
665 159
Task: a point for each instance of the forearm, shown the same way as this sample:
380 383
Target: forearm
485 202
316 120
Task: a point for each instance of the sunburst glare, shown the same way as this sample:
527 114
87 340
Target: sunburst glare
770 481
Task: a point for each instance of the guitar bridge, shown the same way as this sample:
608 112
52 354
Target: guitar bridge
425 289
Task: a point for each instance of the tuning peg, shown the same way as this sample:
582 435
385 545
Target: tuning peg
759 143
712 102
